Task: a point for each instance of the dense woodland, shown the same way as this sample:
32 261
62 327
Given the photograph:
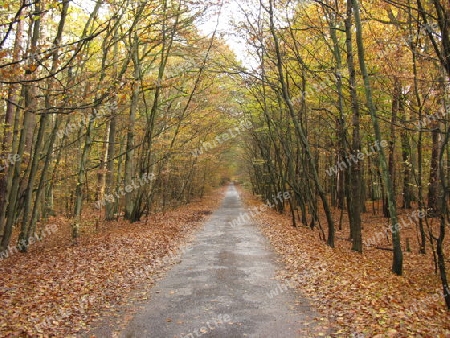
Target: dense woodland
350 104
124 108
104 106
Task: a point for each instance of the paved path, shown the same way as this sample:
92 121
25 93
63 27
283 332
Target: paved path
221 288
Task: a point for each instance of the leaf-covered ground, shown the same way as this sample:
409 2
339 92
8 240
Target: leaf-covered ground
357 292
60 289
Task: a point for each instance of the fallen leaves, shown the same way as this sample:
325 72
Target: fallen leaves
58 289
357 292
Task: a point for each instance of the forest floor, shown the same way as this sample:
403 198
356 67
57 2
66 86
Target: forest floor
224 286
358 291
59 289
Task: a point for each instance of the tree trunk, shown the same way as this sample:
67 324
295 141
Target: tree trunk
397 261
444 192
111 206
397 92
433 182
27 228
7 146
81 181
355 166
129 158
26 138
414 53
299 129
340 121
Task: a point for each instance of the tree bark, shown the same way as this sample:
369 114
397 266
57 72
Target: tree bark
354 170
397 261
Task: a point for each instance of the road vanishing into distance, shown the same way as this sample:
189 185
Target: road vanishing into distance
224 286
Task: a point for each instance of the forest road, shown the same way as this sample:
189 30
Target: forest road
224 287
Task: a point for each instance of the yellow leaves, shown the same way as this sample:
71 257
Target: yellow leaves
30 68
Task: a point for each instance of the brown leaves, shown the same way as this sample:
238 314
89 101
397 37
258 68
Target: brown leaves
58 289
358 292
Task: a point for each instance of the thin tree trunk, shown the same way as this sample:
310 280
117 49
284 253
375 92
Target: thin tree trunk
340 122
25 139
397 261
81 180
355 166
397 92
129 159
6 146
26 227
111 206
299 129
406 159
444 189
433 182
417 95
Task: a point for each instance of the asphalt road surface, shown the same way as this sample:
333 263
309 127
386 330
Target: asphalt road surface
224 287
